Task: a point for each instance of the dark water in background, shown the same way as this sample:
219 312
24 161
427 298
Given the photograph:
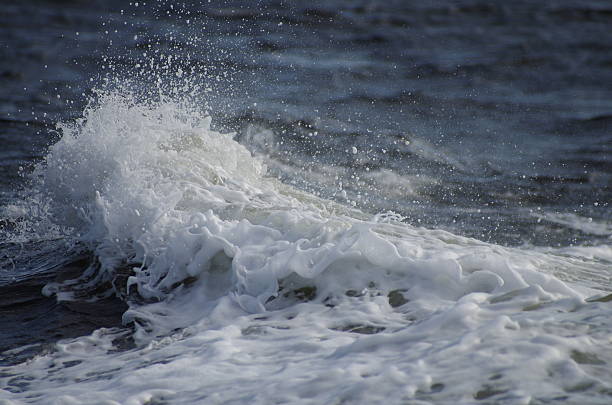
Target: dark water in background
488 119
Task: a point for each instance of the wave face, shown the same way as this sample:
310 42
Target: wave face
244 289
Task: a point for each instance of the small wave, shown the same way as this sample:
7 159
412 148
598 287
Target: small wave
162 199
229 272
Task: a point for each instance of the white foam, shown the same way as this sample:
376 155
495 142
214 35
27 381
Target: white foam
267 294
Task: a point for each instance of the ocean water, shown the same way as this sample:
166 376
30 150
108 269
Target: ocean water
339 202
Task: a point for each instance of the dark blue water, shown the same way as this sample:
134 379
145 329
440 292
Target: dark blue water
486 118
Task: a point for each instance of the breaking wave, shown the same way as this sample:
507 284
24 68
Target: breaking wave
228 271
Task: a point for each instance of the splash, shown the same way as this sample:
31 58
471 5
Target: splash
230 272
163 200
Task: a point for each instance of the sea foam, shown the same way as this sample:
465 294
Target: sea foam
154 189
244 289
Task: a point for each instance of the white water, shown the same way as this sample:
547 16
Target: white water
260 293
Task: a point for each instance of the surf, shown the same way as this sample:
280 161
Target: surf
217 258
